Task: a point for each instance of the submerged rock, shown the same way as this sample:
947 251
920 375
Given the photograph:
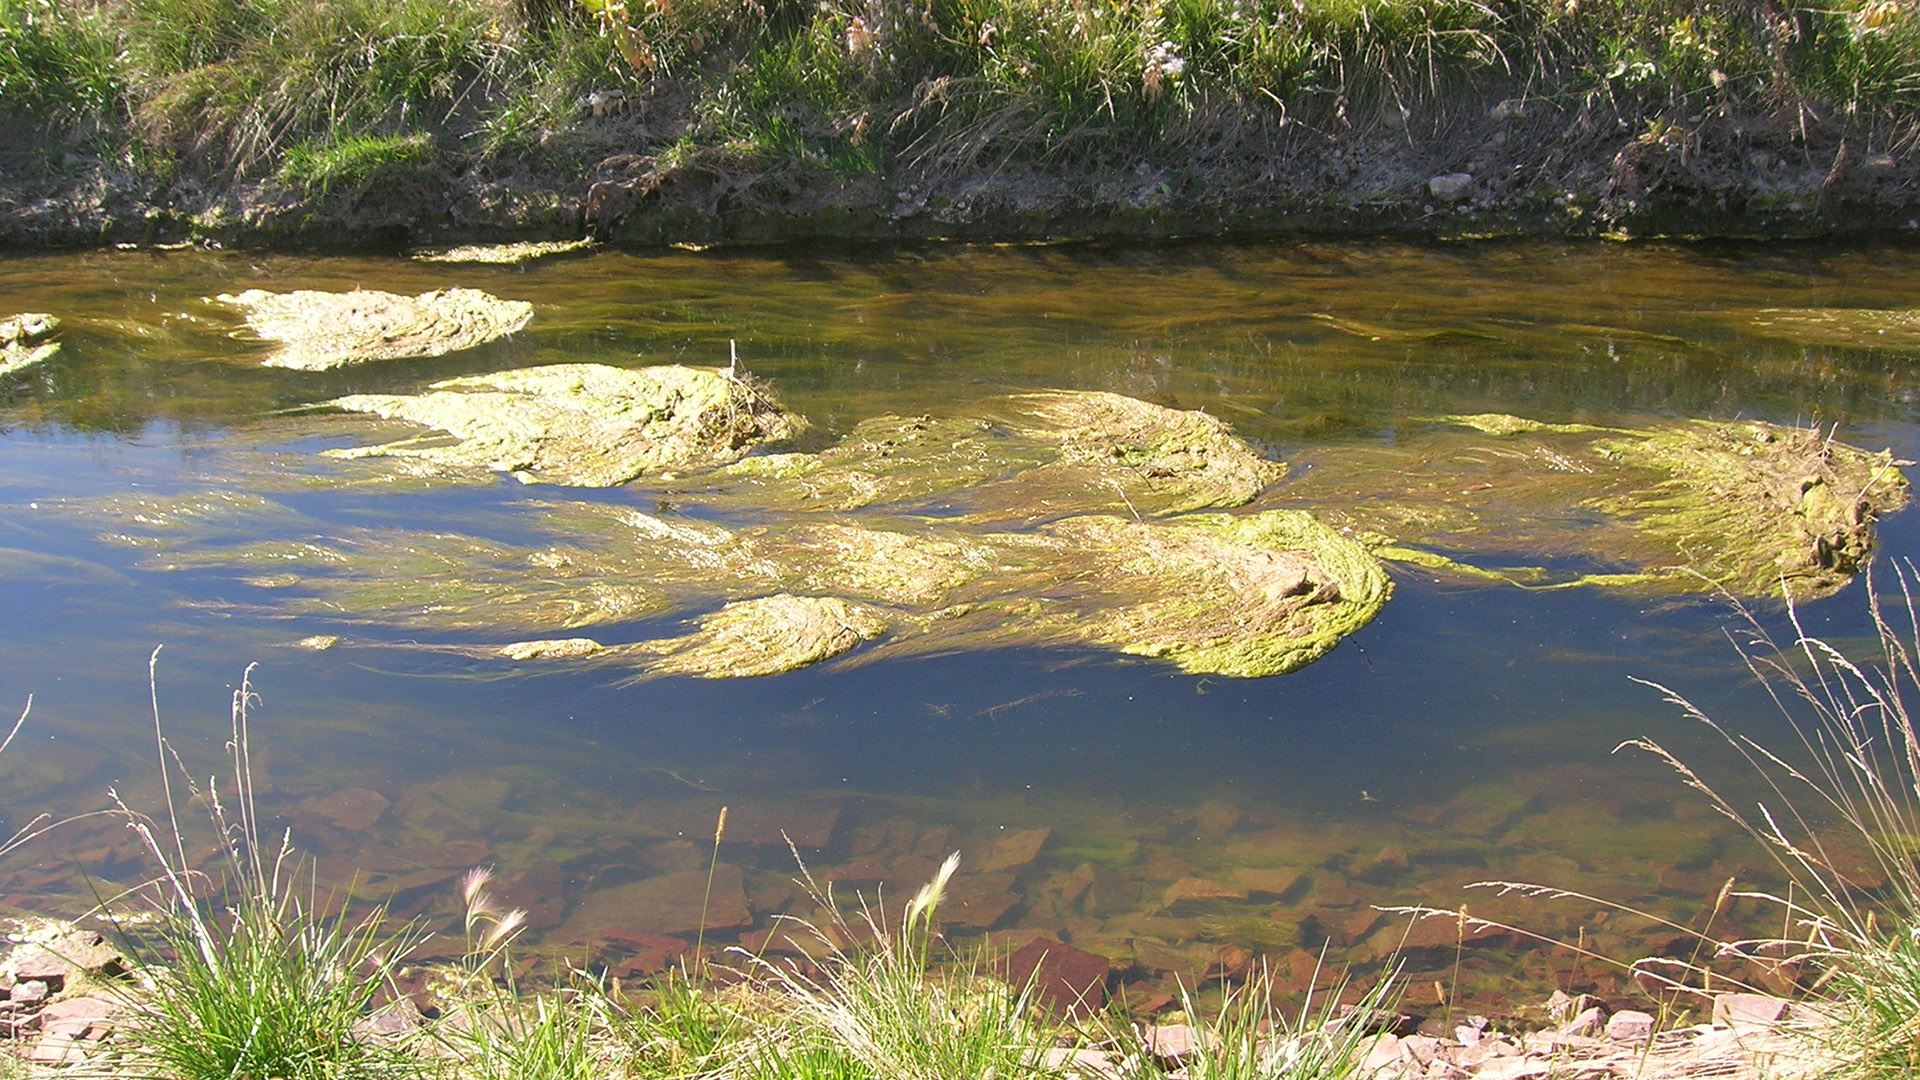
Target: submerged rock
1692 504
23 341
323 330
505 254
584 425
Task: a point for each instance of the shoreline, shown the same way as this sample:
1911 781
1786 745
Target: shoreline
1547 174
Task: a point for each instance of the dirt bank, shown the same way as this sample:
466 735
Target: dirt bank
1497 166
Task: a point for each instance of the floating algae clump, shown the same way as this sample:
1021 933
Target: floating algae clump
765 636
585 425
323 330
1689 504
22 341
505 254
1864 328
1214 593
1217 594
1020 458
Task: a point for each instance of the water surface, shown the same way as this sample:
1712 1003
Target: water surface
1464 735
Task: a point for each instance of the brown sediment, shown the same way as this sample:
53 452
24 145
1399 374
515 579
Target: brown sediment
322 330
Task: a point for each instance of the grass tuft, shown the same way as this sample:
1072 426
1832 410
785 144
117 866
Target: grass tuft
266 982
320 167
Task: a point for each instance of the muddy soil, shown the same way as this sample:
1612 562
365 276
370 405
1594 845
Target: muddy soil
1469 168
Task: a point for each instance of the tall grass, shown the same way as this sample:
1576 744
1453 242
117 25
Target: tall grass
1840 821
1848 794
854 87
60 64
249 973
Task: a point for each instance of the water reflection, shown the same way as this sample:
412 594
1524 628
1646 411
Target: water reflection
1176 824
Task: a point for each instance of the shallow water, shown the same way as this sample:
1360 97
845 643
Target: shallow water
1463 735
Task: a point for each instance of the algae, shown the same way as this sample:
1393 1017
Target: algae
440 581
583 425
1864 328
1016 459
1681 505
1217 594
504 254
763 636
552 649
23 341
318 331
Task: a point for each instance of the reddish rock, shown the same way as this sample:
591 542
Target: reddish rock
1749 1013
1230 962
1270 881
1015 850
354 810
54 963
787 938
1195 889
1443 933
1067 981
1630 1025
860 872
666 904
936 843
649 954
1172 1044
976 901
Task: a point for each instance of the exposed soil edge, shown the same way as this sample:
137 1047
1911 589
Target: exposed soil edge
1541 172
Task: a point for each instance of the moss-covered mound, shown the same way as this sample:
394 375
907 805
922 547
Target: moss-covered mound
322 330
584 425
1022 458
1863 328
23 341
1744 506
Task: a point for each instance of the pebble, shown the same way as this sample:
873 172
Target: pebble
1451 187
1630 1025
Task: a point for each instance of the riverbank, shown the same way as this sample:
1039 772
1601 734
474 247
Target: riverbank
384 124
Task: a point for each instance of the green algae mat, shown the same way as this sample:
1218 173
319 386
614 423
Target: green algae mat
24 341
317 331
584 425
1052 518
1740 506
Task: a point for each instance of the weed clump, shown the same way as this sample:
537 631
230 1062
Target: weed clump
247 972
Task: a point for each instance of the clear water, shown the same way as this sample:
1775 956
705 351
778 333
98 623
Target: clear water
1464 735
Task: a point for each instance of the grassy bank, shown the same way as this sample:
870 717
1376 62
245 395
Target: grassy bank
591 112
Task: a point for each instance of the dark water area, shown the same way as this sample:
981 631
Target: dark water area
1176 823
